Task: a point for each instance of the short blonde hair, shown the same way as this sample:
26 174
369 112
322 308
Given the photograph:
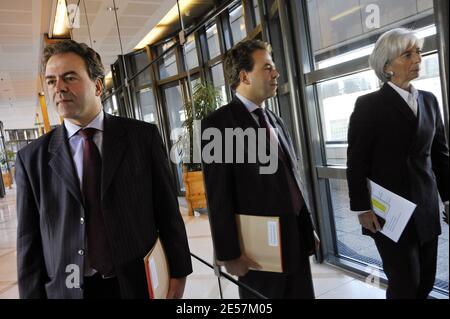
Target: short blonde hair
389 46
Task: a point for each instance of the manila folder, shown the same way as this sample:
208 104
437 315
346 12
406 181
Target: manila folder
260 240
157 270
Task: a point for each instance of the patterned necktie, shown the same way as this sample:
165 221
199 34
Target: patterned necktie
296 195
98 248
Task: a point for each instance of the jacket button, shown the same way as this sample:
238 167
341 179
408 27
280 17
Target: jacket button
82 221
81 252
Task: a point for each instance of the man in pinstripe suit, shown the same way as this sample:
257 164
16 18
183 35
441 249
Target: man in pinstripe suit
93 194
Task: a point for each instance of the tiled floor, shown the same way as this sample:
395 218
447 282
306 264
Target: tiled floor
329 282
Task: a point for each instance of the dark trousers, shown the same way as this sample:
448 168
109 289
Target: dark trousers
296 285
409 267
279 286
95 287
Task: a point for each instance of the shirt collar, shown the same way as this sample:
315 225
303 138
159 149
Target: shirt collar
249 105
96 123
403 93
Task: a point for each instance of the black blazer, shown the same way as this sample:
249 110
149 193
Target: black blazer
406 154
239 188
138 199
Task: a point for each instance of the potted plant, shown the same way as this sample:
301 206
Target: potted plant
206 99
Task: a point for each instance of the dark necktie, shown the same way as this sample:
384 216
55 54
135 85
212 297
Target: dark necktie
98 249
296 195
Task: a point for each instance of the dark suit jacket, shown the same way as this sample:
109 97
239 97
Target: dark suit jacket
235 188
406 154
138 200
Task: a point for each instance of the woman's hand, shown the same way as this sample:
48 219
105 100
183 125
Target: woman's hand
369 221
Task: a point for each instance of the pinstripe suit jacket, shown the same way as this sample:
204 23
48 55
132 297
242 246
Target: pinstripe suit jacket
138 198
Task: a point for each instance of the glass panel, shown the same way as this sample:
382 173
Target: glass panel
107 105
237 23
278 49
168 65
138 62
213 41
219 81
256 10
337 100
429 79
175 109
31 134
191 53
344 30
20 135
350 241
148 108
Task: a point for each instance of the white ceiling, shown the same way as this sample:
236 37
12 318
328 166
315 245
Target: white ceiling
22 27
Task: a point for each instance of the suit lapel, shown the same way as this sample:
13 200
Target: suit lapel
62 163
393 98
282 138
114 146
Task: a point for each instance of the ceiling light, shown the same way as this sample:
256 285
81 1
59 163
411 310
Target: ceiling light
61 22
166 21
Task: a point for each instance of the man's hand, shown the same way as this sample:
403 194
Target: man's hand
240 266
176 288
369 221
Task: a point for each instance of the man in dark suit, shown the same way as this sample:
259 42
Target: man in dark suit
241 188
94 194
396 139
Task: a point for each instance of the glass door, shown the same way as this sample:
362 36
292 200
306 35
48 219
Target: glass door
173 100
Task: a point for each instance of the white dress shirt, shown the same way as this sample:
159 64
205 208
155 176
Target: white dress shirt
409 97
76 149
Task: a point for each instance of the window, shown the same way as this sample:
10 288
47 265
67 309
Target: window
176 113
237 23
256 11
139 61
344 30
213 41
147 102
191 53
219 81
337 100
168 64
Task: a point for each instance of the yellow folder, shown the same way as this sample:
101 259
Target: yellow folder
157 270
260 240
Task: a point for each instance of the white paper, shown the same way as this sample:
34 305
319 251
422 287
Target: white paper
272 237
153 273
393 208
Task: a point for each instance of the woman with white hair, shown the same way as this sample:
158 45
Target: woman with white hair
396 139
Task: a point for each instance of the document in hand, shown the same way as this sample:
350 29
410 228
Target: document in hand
260 240
157 270
395 209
